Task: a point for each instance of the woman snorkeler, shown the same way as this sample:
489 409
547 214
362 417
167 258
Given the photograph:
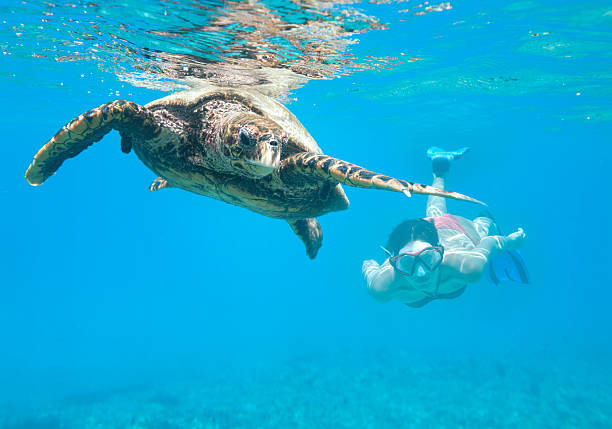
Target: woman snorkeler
437 256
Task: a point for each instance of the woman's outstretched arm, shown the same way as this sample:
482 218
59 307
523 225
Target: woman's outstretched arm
380 279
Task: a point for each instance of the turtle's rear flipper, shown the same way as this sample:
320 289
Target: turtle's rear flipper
86 129
310 233
317 166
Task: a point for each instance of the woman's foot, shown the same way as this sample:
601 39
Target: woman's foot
441 159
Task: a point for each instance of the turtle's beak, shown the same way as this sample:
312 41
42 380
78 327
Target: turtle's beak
254 144
261 159
259 169
266 156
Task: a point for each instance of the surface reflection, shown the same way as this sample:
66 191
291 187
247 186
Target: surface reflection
271 44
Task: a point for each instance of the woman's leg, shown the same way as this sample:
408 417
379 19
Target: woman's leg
436 206
440 163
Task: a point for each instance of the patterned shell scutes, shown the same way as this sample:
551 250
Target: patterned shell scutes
262 104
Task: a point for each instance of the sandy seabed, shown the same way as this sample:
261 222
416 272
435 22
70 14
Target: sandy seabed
382 390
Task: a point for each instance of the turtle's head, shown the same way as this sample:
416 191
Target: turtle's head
252 144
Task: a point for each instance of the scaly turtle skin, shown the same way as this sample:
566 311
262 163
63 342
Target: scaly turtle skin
235 145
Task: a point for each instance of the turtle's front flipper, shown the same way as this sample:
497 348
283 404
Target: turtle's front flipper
310 233
88 128
317 166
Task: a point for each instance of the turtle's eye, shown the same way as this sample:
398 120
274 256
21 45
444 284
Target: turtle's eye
246 139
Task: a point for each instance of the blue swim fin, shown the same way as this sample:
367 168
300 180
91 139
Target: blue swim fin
441 159
508 266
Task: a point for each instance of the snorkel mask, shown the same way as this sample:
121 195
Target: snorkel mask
405 263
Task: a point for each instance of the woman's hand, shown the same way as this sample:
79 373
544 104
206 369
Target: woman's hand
380 279
367 264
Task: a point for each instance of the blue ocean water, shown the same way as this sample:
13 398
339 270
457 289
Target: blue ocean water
124 308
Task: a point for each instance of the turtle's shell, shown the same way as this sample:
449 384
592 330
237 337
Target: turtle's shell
266 106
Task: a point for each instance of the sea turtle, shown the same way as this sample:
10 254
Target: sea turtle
233 144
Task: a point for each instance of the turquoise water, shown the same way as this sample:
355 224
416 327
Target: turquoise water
123 308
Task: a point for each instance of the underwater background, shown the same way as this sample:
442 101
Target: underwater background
123 308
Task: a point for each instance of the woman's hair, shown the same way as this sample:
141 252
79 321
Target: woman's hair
410 230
